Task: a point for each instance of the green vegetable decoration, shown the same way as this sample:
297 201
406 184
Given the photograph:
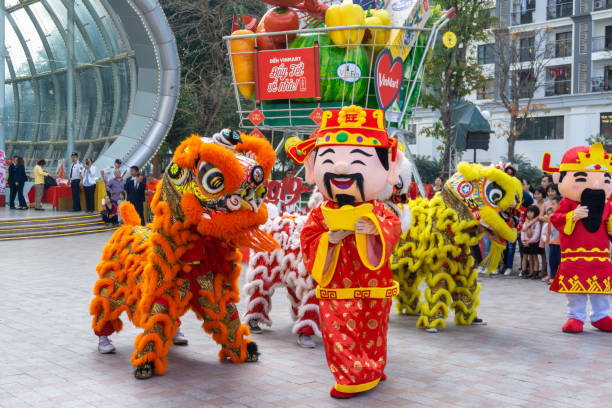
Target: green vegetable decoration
342 71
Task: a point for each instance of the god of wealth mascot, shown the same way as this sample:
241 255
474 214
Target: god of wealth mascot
584 222
283 267
347 241
436 247
208 203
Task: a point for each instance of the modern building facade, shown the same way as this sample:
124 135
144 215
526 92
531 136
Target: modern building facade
99 77
575 89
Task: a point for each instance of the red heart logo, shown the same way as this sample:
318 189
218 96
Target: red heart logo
388 78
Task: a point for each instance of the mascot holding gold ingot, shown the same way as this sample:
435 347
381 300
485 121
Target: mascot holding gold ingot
347 241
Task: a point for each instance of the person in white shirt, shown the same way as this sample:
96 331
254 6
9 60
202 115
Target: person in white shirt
74 175
88 181
108 173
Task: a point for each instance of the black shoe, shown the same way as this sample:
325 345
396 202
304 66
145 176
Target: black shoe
39 209
12 208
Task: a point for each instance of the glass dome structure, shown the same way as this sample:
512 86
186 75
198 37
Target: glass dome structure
99 77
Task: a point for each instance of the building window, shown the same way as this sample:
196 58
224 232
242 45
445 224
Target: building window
605 124
558 80
523 11
559 9
486 54
525 82
526 49
487 90
543 128
411 133
603 43
601 4
563 44
602 83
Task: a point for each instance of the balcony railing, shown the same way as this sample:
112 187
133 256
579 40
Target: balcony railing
601 84
601 4
559 10
523 17
603 43
559 49
562 87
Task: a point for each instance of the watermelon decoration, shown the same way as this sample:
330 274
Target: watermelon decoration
342 71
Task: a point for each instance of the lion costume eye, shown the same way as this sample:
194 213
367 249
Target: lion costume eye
400 183
494 192
211 178
177 174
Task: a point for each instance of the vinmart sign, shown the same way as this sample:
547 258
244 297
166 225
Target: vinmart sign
288 74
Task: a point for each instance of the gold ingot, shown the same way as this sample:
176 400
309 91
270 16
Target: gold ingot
338 348
344 218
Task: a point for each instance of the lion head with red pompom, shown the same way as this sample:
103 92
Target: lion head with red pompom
215 186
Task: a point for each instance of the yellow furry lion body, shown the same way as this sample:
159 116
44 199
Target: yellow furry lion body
436 247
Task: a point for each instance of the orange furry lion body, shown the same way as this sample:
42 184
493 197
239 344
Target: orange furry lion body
187 258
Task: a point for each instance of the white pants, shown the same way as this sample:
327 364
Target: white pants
576 306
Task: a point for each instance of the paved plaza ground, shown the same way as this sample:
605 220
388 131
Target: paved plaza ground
48 355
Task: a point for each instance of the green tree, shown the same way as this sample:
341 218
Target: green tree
526 169
428 168
453 73
207 101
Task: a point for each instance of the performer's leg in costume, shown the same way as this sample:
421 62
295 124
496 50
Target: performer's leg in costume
600 308
152 346
262 279
302 294
434 309
407 301
216 306
114 292
465 295
576 312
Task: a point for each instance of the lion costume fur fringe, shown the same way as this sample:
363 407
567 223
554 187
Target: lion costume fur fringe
187 258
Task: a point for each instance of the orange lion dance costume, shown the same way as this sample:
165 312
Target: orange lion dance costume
208 204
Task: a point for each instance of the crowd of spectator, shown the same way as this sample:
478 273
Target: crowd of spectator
83 177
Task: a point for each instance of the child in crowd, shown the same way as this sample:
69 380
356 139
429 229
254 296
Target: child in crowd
122 198
530 236
552 238
109 211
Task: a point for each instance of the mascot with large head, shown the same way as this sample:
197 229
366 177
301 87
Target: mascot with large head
348 239
584 222
208 204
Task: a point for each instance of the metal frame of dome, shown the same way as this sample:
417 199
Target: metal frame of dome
128 35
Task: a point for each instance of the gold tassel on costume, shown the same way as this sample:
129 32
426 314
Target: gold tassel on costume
495 255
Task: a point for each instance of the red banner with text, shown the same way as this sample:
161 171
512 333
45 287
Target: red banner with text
288 74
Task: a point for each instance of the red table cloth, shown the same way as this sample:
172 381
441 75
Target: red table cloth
51 195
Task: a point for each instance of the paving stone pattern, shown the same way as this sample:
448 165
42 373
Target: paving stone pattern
48 355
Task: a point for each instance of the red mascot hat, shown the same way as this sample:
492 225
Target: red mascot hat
581 158
351 126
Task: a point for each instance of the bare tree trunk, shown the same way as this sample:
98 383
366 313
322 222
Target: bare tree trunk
446 110
512 139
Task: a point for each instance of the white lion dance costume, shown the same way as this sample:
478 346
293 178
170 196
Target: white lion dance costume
283 267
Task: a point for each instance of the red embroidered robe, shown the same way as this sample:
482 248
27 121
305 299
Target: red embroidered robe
354 330
585 256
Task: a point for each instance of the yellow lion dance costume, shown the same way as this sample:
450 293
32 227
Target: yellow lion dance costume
436 247
208 203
